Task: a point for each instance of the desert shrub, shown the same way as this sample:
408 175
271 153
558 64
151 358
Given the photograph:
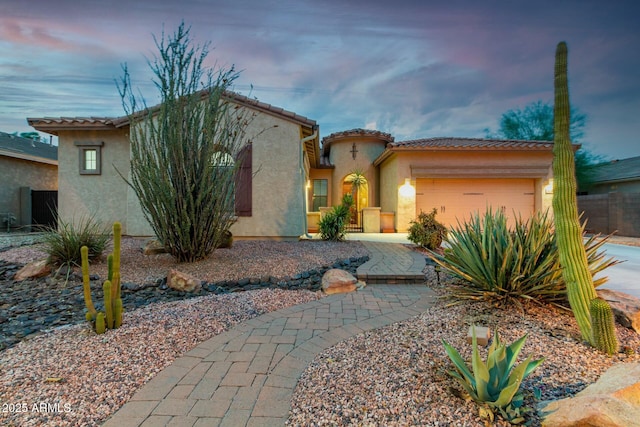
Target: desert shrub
63 244
510 265
426 231
334 224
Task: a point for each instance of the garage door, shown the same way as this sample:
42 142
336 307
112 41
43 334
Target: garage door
457 199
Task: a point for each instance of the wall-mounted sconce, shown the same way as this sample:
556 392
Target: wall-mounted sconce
548 189
407 190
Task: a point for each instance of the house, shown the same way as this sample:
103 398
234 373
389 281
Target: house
295 180
28 169
456 176
615 176
612 203
283 146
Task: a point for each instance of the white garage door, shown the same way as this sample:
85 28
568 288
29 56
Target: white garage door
457 199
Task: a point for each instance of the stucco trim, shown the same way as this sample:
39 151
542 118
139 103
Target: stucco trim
480 171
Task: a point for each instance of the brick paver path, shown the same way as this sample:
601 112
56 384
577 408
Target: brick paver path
246 376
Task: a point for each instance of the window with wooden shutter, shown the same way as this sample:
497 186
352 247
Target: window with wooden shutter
244 180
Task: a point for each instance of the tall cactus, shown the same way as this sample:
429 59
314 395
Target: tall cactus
111 318
602 323
571 251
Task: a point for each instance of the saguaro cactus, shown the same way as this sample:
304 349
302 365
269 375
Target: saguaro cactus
602 323
571 251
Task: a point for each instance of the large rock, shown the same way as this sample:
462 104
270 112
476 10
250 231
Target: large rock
33 270
336 281
154 247
612 401
625 307
183 282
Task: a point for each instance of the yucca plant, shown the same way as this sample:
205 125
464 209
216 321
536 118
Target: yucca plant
495 385
506 264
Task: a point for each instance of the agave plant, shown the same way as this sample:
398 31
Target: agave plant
511 264
495 385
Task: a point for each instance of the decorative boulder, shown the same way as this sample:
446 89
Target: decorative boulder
154 247
625 307
227 241
336 281
612 401
183 282
33 270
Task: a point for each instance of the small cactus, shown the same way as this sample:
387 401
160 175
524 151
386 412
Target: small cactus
603 326
100 323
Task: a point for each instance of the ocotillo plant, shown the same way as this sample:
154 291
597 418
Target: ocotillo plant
571 252
111 318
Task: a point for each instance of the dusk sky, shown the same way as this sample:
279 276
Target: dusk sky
415 69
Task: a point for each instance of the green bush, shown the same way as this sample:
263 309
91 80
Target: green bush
510 265
495 385
334 224
63 244
426 231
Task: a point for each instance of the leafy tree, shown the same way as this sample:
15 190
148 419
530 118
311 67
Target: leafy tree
185 151
535 123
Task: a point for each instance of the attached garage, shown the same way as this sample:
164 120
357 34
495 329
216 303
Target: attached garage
460 176
457 199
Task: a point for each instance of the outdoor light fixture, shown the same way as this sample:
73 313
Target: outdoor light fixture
548 189
407 190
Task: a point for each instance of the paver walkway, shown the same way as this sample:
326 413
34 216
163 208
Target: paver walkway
246 376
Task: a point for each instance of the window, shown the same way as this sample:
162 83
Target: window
90 157
319 194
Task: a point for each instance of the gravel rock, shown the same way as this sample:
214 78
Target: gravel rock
397 375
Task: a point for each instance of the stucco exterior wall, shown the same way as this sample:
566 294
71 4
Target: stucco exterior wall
389 185
456 164
368 149
102 196
16 173
278 183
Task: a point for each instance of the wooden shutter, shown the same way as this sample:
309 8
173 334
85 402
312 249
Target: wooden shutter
244 180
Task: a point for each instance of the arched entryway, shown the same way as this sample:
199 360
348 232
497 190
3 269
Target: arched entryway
357 186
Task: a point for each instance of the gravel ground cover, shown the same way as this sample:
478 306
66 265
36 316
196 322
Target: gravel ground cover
72 377
393 376
397 375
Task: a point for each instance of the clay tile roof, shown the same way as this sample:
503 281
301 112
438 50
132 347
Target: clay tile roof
469 143
357 132
54 124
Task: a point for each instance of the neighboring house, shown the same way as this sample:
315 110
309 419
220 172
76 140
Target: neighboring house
26 166
612 203
615 176
294 181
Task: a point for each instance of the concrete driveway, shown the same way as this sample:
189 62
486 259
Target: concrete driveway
624 277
